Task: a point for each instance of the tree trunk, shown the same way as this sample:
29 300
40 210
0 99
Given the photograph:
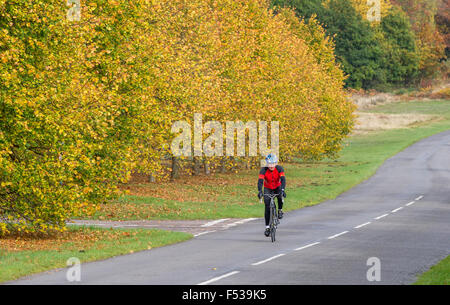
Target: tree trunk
151 178
206 166
223 165
196 166
175 169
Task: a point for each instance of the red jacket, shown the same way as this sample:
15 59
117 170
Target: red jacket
272 179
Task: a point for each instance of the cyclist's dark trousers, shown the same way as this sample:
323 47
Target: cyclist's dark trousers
267 202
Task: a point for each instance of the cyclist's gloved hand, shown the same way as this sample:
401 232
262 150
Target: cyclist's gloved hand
260 194
284 193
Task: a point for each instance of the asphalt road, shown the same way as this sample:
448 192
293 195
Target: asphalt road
400 217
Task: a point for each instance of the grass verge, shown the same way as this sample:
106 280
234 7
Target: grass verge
25 255
439 274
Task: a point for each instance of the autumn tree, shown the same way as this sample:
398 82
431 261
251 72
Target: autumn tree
67 131
400 54
370 9
429 40
86 102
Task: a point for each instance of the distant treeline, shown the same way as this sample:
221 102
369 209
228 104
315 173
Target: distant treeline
401 46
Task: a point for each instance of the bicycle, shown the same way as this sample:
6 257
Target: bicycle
274 221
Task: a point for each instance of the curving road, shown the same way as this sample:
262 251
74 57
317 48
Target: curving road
400 217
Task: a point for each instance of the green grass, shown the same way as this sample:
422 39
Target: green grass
307 183
437 107
439 274
49 253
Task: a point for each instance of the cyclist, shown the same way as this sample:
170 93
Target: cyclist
272 176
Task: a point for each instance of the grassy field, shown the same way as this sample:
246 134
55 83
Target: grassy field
439 274
230 195
25 255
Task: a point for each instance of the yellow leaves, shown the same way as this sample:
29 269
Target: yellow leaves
87 190
112 88
363 7
113 3
3 228
80 240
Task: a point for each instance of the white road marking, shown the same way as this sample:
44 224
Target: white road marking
218 278
379 217
307 246
364 224
239 222
266 260
211 223
203 233
231 225
408 204
334 236
396 210
244 220
418 198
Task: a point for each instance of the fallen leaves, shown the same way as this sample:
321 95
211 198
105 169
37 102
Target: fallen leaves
79 240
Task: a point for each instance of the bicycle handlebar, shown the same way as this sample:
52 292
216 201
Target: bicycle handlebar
271 196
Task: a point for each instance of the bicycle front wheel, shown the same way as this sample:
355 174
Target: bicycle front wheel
273 223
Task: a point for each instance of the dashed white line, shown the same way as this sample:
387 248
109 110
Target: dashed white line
334 236
282 254
362 225
230 225
307 246
396 210
239 222
266 260
218 278
204 233
211 223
